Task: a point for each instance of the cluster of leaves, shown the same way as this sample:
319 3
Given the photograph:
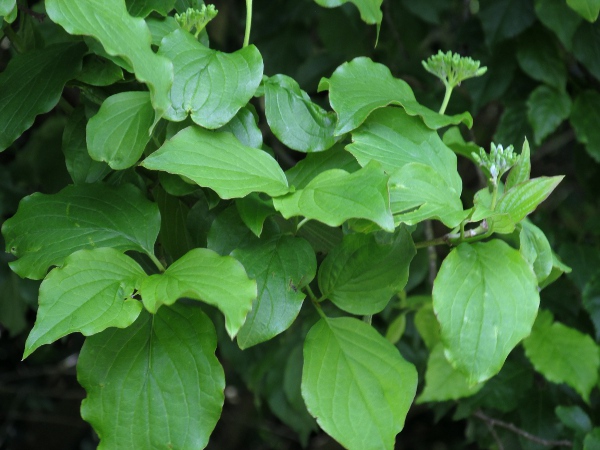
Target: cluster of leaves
180 230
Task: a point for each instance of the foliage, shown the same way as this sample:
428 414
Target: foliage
312 226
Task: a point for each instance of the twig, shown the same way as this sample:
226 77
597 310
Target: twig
491 422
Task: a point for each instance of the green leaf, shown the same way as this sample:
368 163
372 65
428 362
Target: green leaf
204 275
6 7
254 211
585 117
454 140
359 87
586 43
48 228
32 84
365 271
395 139
592 440
427 325
503 19
161 26
281 266
418 192
514 125
442 381
356 384
119 132
485 297
120 35
521 171
370 10
209 85
81 167
591 301
546 109
334 196
161 376
228 232
244 127
575 418
174 235
539 57
396 329
141 8
536 250
559 18
588 9
98 71
219 161
294 119
90 292
563 354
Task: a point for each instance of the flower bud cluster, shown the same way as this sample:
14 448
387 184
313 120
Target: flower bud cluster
497 162
196 18
452 68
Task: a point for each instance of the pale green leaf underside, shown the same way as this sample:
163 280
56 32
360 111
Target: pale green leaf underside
121 35
219 161
563 354
88 294
156 384
47 228
209 85
119 132
360 86
370 10
6 6
485 298
356 384
334 196
281 266
536 250
204 275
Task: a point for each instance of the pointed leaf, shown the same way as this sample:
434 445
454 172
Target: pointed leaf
244 127
254 211
522 199
536 250
48 228
418 192
119 132
334 196
204 275
539 57
281 267
141 8
365 271
89 293
370 10
209 85
585 117
559 18
503 19
395 139
6 6
121 35
360 86
546 110
588 9
521 171
32 84
485 298
356 384
563 354
294 119
575 418
219 161
161 376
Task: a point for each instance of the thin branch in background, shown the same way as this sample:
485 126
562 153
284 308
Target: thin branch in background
491 422
431 252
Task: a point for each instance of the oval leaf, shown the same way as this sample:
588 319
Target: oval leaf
546 109
89 293
485 297
523 198
356 384
160 374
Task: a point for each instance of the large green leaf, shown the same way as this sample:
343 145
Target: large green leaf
503 19
356 384
546 109
588 9
442 381
334 196
48 228
370 10
485 297
209 85
418 192
395 139
281 266
6 6
315 163
89 293
204 275
585 117
539 57
362 273
32 84
119 132
121 35
156 384
296 121
219 161
563 354
360 86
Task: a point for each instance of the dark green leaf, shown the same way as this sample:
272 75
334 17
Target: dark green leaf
592 440
591 302
503 19
356 384
365 271
558 17
141 8
160 27
219 161
48 228
281 266
539 57
588 9
514 127
536 250
89 293
228 232
586 47
585 117
254 210
370 10
32 84
575 418
485 298
174 235
209 85
315 163
160 374
98 71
